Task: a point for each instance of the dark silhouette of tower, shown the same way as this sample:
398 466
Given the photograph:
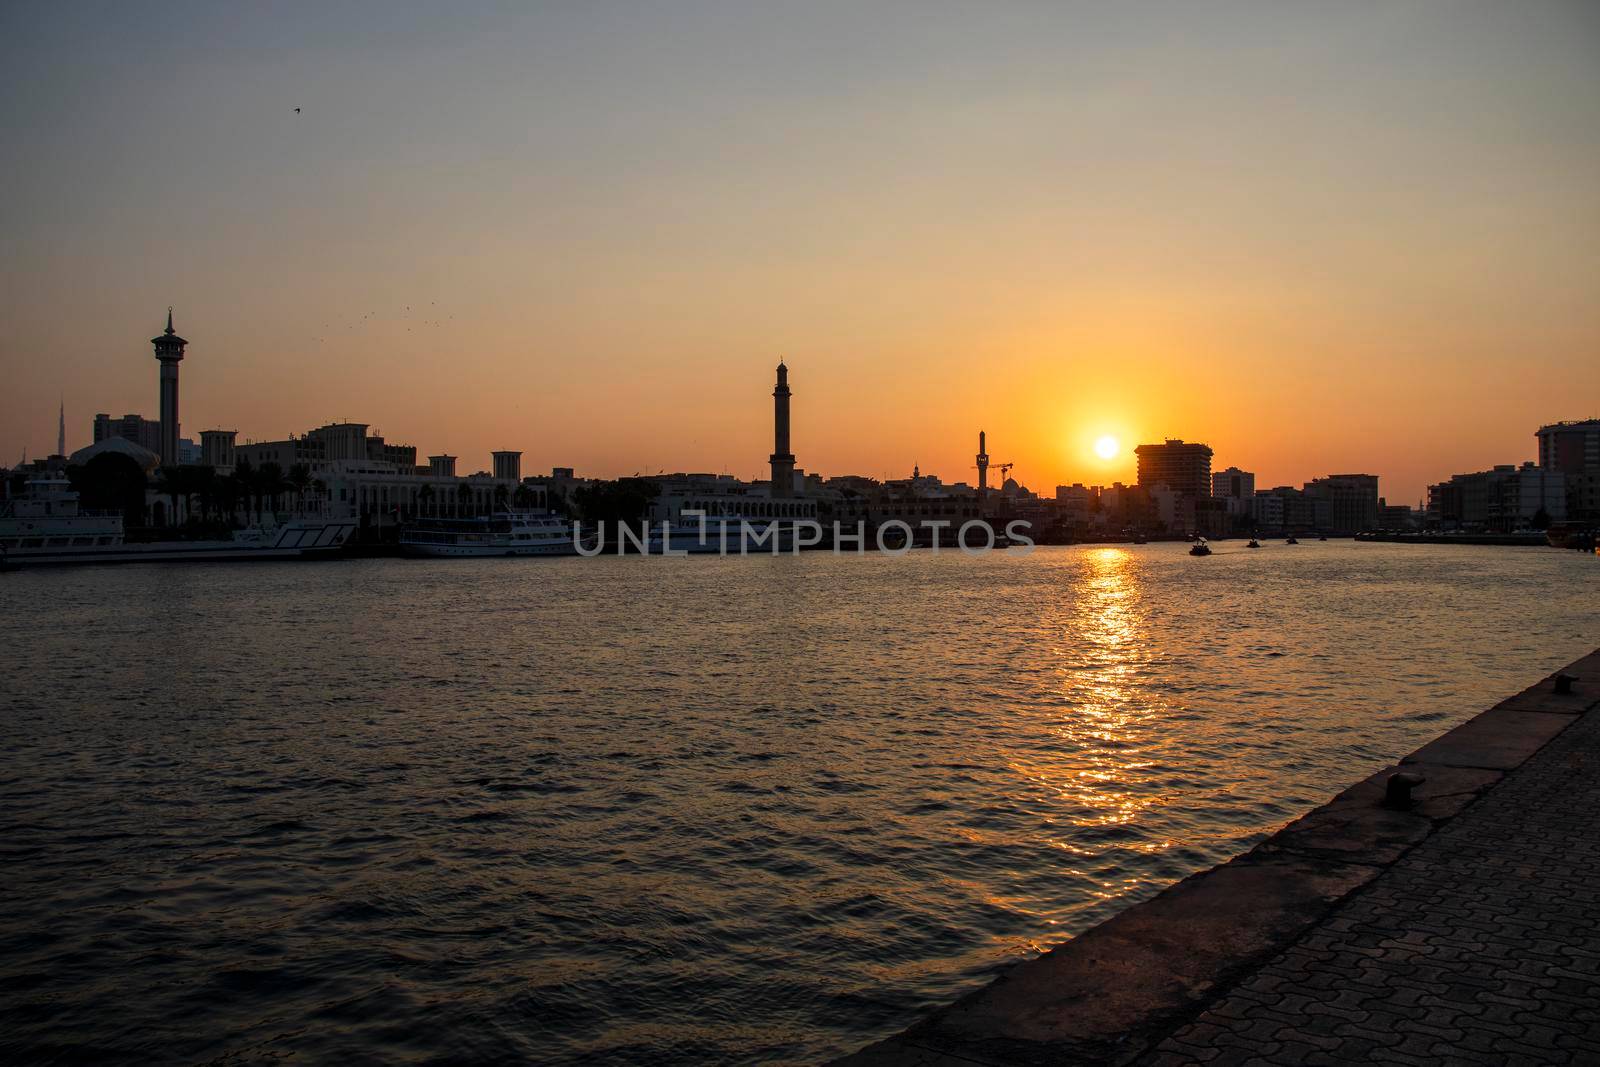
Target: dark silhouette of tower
169 350
983 466
782 459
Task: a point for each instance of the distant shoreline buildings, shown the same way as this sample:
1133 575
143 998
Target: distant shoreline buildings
348 467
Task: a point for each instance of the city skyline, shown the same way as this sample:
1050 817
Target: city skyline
474 237
1107 447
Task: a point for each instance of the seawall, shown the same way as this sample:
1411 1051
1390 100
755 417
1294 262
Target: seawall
1115 993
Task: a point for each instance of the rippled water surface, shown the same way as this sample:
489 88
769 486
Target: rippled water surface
688 810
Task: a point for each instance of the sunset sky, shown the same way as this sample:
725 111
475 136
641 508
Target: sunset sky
1318 236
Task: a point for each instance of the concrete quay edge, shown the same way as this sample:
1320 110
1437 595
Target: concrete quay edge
1115 991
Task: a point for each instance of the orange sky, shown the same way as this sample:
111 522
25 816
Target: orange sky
1320 238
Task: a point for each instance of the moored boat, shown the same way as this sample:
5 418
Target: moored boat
46 527
505 533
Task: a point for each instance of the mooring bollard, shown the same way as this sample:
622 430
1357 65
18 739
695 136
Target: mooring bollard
1397 793
1564 683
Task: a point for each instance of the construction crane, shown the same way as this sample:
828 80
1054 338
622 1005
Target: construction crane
1003 468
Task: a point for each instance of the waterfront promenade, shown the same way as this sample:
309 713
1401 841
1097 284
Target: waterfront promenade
1459 930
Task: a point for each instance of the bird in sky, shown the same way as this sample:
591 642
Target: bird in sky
297 111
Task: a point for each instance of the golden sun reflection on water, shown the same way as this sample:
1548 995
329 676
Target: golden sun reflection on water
1097 768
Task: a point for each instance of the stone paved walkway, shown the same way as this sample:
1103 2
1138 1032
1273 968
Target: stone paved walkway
1480 945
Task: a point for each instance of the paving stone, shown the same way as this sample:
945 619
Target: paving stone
1480 944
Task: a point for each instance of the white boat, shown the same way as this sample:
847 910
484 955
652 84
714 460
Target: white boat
506 533
46 526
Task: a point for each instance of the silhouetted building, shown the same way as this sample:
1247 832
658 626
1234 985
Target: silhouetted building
1236 487
782 459
146 433
1500 500
1572 449
1183 467
218 449
169 353
336 443
1344 503
982 460
1282 509
1397 518
442 466
508 466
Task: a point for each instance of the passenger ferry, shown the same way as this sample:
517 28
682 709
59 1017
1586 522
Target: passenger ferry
46 526
505 533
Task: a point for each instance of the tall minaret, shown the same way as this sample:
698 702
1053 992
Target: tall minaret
782 458
983 467
169 350
61 429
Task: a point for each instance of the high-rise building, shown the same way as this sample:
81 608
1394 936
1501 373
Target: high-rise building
169 353
1184 467
143 432
1344 503
782 459
1236 487
1572 449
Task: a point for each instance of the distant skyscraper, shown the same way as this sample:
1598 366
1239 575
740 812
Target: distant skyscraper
1184 467
782 459
169 351
1572 449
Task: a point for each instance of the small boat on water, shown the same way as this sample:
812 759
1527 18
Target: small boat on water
1291 540
1253 543
1200 548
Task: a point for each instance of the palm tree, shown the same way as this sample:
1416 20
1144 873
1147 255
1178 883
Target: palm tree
463 497
300 479
502 496
523 497
172 481
203 483
243 488
270 483
424 498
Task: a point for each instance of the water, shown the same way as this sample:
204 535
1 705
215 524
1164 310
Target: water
676 811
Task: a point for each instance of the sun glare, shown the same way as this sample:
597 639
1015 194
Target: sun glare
1107 447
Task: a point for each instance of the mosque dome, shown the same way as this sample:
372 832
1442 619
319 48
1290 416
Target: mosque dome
147 460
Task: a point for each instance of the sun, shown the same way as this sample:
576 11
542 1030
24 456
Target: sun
1107 447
